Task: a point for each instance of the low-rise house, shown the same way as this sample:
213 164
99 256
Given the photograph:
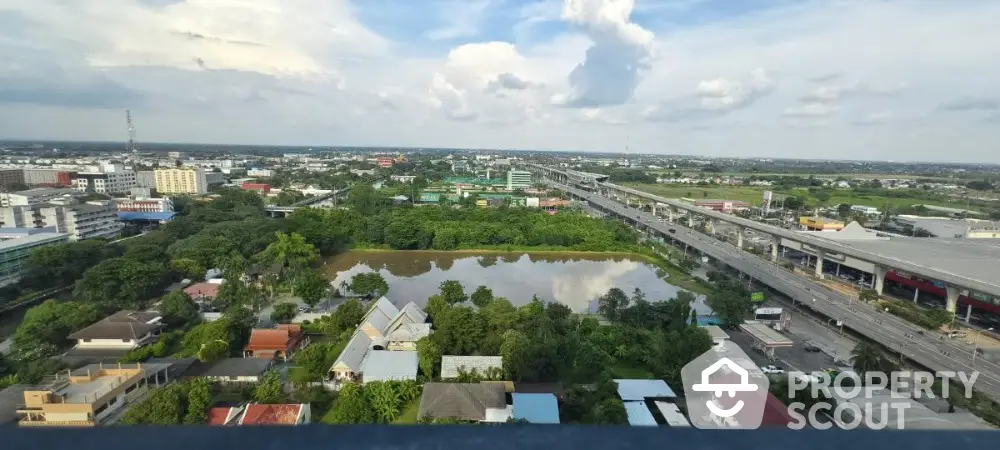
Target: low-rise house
348 365
122 330
376 321
451 365
472 402
203 292
258 273
384 365
237 370
274 344
87 396
406 336
535 408
256 414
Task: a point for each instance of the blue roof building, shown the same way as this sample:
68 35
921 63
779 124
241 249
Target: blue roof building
639 390
145 216
639 415
536 408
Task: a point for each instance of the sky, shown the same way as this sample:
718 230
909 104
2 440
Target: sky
819 79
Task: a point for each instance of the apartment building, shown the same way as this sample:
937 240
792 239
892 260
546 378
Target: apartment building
145 179
140 204
518 179
87 396
258 172
36 196
187 180
9 177
82 221
49 177
14 253
118 182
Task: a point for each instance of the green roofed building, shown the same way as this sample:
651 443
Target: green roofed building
430 197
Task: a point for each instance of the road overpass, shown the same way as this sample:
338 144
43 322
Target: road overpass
976 271
313 202
894 333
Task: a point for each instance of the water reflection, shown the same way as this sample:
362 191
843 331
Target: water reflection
574 280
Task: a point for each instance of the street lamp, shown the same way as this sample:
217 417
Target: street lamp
976 349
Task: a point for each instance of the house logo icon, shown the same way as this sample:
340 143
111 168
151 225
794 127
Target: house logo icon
724 389
719 388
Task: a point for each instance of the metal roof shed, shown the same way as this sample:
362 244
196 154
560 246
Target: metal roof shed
383 365
639 415
536 408
639 390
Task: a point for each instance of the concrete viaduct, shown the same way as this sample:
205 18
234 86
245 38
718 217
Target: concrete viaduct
823 248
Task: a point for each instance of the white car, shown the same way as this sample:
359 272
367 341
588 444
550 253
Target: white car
772 370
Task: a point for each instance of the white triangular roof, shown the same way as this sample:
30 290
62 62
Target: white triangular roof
354 352
380 315
410 332
411 313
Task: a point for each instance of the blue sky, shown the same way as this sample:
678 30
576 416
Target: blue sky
886 79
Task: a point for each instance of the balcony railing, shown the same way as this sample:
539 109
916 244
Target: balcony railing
55 423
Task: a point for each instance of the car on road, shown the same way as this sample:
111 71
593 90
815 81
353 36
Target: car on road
772 370
672 230
811 348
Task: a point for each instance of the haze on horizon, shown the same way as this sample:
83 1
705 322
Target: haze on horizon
854 79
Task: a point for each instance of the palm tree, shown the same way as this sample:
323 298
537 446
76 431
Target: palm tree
290 250
866 357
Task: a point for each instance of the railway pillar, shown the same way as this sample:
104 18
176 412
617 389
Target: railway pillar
880 278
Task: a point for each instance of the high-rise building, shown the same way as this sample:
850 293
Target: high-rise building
9 177
518 179
119 182
83 221
186 180
36 196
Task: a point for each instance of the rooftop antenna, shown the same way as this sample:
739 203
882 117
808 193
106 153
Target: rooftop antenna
131 147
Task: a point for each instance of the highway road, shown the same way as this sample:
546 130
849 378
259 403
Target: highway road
899 336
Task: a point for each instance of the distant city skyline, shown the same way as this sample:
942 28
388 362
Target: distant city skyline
856 80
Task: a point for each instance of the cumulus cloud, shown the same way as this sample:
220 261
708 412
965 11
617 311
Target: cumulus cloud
621 50
810 110
509 81
972 104
834 93
875 118
714 97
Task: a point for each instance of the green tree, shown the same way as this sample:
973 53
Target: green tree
430 357
189 268
459 331
315 359
199 400
43 331
731 304
868 295
312 286
385 400
844 210
482 296
284 312
612 304
609 412
351 406
369 284
866 357
435 306
516 360
347 316
120 283
213 351
290 251
269 389
179 310
453 292
163 406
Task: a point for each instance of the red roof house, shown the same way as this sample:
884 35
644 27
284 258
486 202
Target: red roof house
280 343
261 188
222 415
285 414
203 291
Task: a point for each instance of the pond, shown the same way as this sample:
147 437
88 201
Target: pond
573 279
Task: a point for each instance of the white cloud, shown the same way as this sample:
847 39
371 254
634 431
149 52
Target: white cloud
283 71
620 51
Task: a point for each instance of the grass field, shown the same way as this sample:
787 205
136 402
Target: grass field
755 196
409 414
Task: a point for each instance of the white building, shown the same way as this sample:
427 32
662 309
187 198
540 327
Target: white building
119 182
402 178
140 204
866 210
121 330
35 196
257 172
518 179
